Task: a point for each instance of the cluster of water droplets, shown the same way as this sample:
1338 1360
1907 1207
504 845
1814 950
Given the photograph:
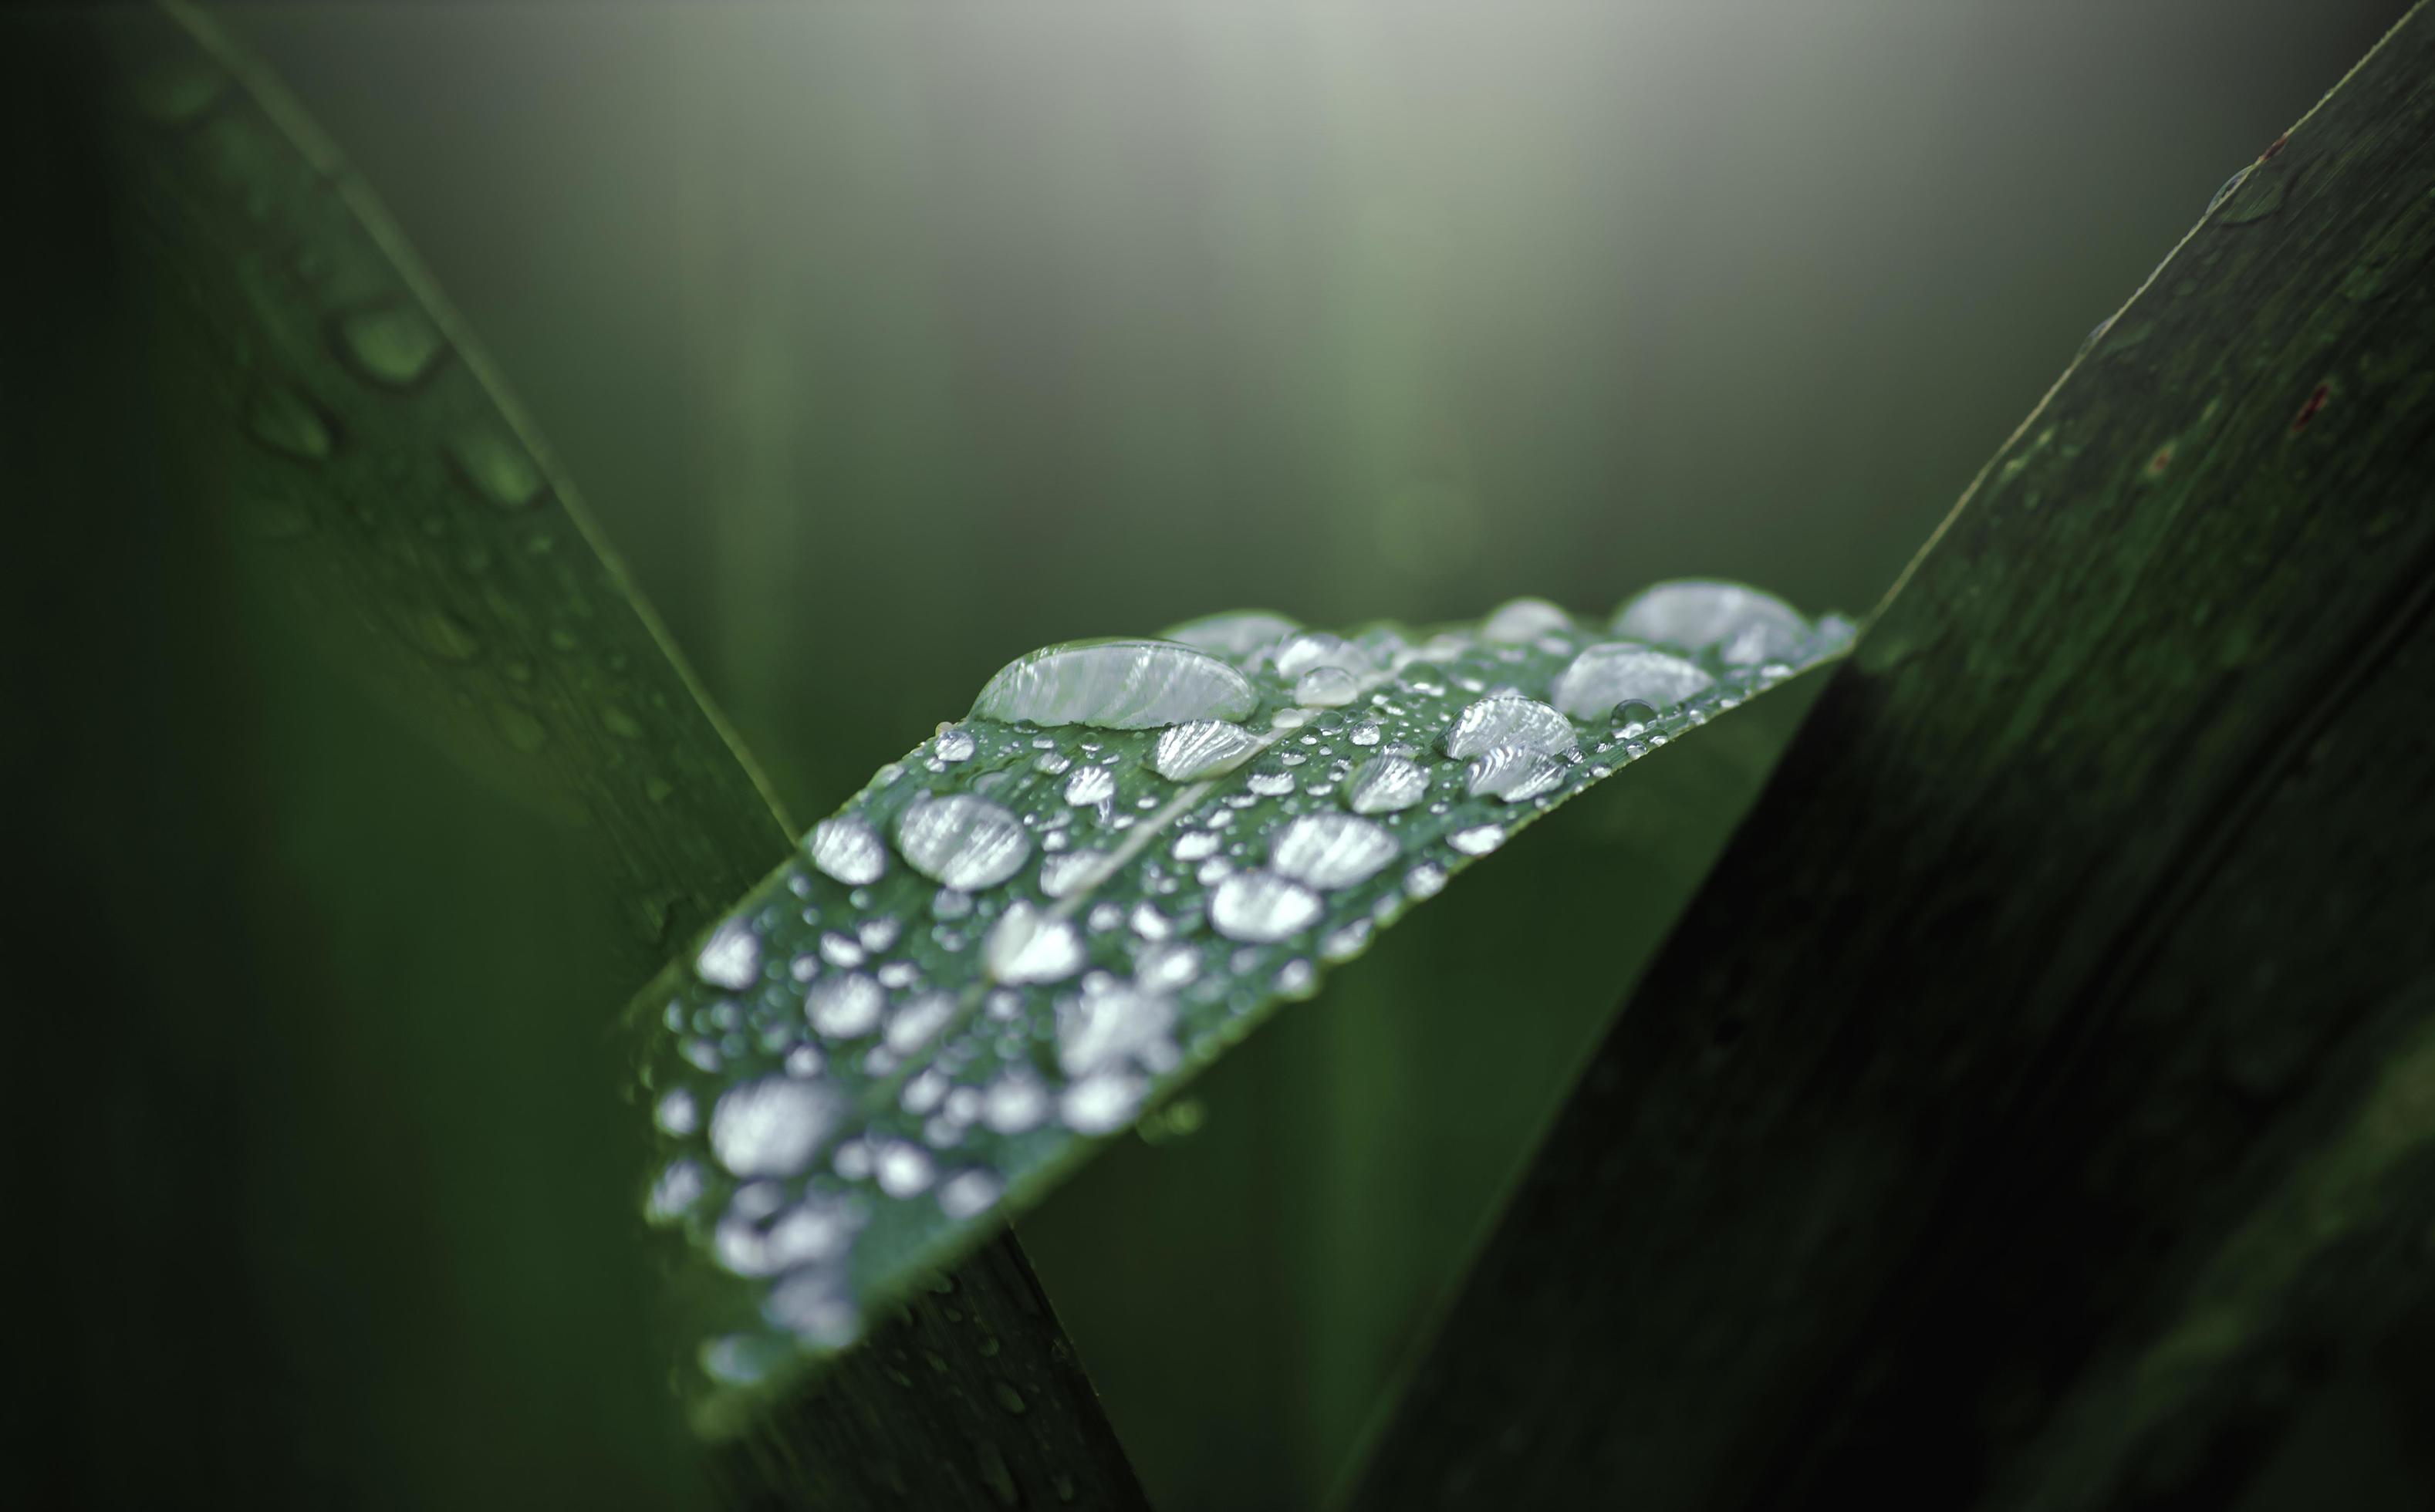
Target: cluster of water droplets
1051 912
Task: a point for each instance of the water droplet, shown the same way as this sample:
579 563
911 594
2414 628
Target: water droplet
1608 675
917 1018
1326 688
1202 747
813 1305
1260 906
1272 781
1513 773
446 636
850 851
1479 840
1523 620
1366 734
1386 784
1068 870
963 840
1166 967
845 1007
620 723
1509 719
1741 626
395 346
676 1113
771 1126
1111 1025
289 423
674 1194
1306 652
955 745
497 468
1343 944
1027 945
523 731
1014 1102
1331 850
1149 924
969 1194
1051 763
759 1237
1097 1104
1117 686
902 1169
1089 785
1236 635
731 957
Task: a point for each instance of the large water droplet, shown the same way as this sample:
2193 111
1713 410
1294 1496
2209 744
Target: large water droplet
1331 850
1013 1103
1027 945
1117 686
1523 620
1742 625
393 344
1113 1024
1386 784
849 850
917 1018
771 1126
1260 906
731 957
1509 719
1202 747
287 423
963 840
1605 676
1233 635
969 1194
1513 773
955 745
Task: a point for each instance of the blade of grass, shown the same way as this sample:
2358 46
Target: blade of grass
423 542
2034 1105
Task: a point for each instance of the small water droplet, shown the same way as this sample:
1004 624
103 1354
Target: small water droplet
1479 840
1261 906
969 1194
849 850
446 636
1116 684
1097 1104
963 840
524 733
1305 653
1424 881
1508 719
677 1190
290 424
395 346
1090 786
771 1126
1386 784
1015 1102
676 1113
1069 870
1027 945
1513 773
1202 747
1331 850
1113 1024
1271 782
620 723
730 958
955 745
1326 688
845 1007
903 1169
497 468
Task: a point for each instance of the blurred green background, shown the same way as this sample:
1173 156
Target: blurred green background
889 341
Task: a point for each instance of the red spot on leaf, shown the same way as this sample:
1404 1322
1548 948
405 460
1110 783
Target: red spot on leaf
2163 459
2274 146
2308 410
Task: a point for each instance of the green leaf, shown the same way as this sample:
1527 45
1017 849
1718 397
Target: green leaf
1049 916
